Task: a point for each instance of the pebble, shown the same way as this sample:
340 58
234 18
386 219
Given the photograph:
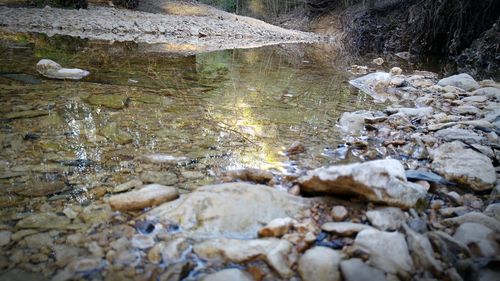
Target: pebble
85 265
339 213
127 186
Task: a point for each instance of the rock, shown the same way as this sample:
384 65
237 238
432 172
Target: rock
296 148
217 209
159 158
127 185
51 69
142 241
128 258
231 274
356 270
475 99
493 210
480 239
388 251
320 264
5 237
449 248
192 175
488 92
86 265
380 181
21 275
276 227
403 55
388 218
358 69
464 166
172 250
378 61
113 101
414 175
147 196
163 178
463 81
484 150
250 175
465 110
373 84
39 240
113 133
339 213
22 233
396 71
422 252
344 228
474 217
419 112
453 134
273 251
96 214
47 221
354 122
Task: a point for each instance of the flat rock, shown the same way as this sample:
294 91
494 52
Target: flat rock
480 239
164 178
216 210
489 92
47 220
453 134
273 251
113 101
147 196
419 112
465 110
474 99
344 228
380 181
388 251
357 270
127 186
232 274
387 218
320 264
463 81
464 166
475 217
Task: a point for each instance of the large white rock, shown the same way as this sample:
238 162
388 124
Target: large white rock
465 166
273 251
320 264
52 69
380 181
236 210
463 81
373 84
388 251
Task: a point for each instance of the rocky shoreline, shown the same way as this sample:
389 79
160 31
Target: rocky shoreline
422 206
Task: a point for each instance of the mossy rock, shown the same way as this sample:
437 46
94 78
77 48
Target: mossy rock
110 101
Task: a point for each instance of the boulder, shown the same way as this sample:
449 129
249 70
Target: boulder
320 264
464 166
356 270
216 210
52 69
147 196
379 181
463 81
387 251
273 251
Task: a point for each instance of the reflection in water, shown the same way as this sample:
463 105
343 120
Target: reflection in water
223 110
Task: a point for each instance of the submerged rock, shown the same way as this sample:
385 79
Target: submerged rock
110 101
273 251
52 69
354 122
463 81
388 251
464 166
320 264
216 210
147 196
373 84
47 220
380 181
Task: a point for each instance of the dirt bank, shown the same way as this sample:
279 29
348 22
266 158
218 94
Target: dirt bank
187 29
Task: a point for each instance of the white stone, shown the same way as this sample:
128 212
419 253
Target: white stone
463 81
320 264
147 196
51 69
231 274
386 218
479 238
